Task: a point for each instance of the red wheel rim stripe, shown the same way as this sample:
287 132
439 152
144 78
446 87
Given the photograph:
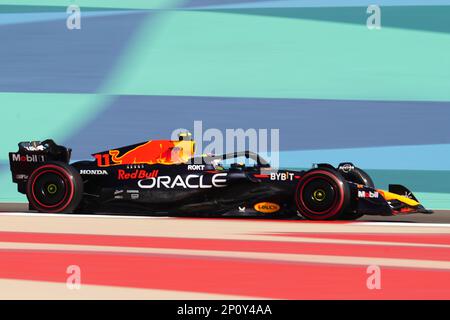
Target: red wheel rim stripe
62 174
304 204
325 214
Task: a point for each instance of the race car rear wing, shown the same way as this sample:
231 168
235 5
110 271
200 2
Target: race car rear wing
31 155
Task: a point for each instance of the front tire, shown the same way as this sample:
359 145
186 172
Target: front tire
322 194
55 187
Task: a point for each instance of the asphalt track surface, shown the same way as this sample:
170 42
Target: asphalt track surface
123 257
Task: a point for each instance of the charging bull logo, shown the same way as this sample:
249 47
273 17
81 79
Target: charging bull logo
155 151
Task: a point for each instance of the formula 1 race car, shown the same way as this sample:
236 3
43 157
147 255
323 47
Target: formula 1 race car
164 177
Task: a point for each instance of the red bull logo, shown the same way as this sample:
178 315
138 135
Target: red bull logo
137 174
151 152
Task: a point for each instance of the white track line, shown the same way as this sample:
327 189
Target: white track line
12 289
123 216
109 216
402 224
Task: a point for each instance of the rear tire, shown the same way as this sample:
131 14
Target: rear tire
322 194
55 187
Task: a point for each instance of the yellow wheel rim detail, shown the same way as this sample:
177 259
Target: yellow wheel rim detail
319 195
52 188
